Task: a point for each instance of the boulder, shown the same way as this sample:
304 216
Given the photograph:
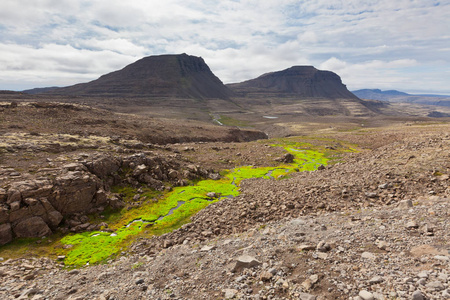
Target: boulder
103 166
5 233
3 195
4 215
245 261
32 227
54 218
101 197
286 158
19 215
74 192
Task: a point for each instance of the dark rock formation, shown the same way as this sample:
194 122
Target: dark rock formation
179 76
304 81
37 207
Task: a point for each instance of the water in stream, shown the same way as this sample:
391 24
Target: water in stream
177 207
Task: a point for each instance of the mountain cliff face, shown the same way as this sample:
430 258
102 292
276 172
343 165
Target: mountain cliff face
304 81
179 76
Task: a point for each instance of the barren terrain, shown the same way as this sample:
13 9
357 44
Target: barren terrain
373 224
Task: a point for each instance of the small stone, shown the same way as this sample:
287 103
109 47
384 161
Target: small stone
422 281
230 293
405 204
365 295
265 276
323 246
103 276
368 255
442 258
423 274
412 225
27 266
167 243
435 285
139 281
376 280
446 294
307 284
29 276
314 278
207 233
371 195
306 247
417 295
211 195
305 296
74 272
443 277
207 248
382 245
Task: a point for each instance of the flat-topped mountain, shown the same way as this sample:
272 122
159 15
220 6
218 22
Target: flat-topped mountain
304 81
178 76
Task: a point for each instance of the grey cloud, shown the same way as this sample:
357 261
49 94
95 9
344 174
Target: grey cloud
81 39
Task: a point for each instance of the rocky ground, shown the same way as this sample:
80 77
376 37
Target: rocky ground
373 226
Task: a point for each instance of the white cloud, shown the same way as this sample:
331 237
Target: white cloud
82 39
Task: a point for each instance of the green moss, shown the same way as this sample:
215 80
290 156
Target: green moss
97 247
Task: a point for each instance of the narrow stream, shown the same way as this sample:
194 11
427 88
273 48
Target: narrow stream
94 247
179 203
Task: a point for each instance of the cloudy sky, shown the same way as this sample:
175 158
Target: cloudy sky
386 44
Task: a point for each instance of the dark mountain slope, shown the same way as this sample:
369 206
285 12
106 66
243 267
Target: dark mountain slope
179 76
303 81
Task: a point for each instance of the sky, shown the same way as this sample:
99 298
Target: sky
385 44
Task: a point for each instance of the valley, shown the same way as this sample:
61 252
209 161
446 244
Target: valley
158 181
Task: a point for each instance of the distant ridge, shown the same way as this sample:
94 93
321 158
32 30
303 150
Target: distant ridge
397 96
177 76
40 90
303 81
377 94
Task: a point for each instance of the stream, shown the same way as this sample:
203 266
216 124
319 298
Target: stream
177 207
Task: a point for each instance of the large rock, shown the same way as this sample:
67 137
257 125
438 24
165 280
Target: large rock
32 227
74 192
104 166
5 234
54 218
4 215
245 261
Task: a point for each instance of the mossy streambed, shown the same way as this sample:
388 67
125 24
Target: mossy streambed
175 208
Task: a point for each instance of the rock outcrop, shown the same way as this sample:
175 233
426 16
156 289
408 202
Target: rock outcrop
37 207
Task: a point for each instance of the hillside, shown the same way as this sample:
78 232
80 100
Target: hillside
303 81
174 76
373 222
302 91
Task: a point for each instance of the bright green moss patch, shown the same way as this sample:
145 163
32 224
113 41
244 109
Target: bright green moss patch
163 212
97 246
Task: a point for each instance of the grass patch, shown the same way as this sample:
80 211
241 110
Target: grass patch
225 120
